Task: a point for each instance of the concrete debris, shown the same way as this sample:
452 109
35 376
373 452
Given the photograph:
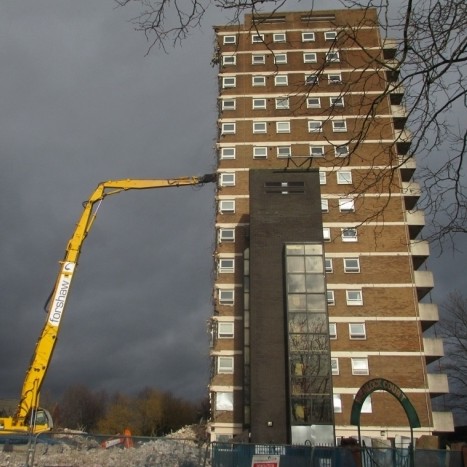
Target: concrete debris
180 449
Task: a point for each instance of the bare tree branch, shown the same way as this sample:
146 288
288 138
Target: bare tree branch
431 67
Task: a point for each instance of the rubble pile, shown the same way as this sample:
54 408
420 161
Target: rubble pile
180 449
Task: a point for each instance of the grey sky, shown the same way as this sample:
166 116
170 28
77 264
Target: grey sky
81 103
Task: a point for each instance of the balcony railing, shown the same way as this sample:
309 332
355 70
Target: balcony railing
428 313
433 348
407 166
415 221
437 384
420 250
443 422
423 282
411 192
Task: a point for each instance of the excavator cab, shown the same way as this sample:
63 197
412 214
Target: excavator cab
40 420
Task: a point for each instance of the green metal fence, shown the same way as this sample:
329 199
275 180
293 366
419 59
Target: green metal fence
242 455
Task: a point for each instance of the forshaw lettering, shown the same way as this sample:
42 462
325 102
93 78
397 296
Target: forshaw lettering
61 294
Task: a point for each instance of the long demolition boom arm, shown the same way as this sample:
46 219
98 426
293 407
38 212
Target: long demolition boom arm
56 306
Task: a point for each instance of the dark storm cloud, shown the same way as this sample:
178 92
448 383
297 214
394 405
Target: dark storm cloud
81 103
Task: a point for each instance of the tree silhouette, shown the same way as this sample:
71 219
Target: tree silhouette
453 329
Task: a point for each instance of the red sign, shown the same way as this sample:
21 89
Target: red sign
265 461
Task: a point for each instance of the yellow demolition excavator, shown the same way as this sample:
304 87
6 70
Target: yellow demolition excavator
29 417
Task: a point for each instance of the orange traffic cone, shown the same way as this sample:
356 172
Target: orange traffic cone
128 440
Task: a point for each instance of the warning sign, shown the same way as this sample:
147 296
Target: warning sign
265 461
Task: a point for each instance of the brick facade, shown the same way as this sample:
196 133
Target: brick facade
301 91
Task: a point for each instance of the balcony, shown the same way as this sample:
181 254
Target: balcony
433 349
443 422
399 115
390 48
392 70
415 221
407 166
420 250
396 93
428 313
411 192
437 384
398 111
403 139
423 282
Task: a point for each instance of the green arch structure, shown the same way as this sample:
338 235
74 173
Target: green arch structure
381 384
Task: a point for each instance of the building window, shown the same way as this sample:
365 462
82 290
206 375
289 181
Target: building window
230 39
257 38
317 151
324 205
225 365
229 81
332 56
313 102
226 235
360 366
260 127
284 151
224 401
226 265
227 179
341 151
346 205
227 153
322 178
351 265
228 104
281 80
258 80
226 206
308 36
366 406
258 59
229 60
280 59
309 57
354 297
315 126
334 78
357 331
335 366
311 79
349 234
339 126
259 103
228 128
225 329
336 101
330 35
330 297
226 296
337 403
326 234
260 152
344 177
328 265
332 331
282 102
279 37
283 127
